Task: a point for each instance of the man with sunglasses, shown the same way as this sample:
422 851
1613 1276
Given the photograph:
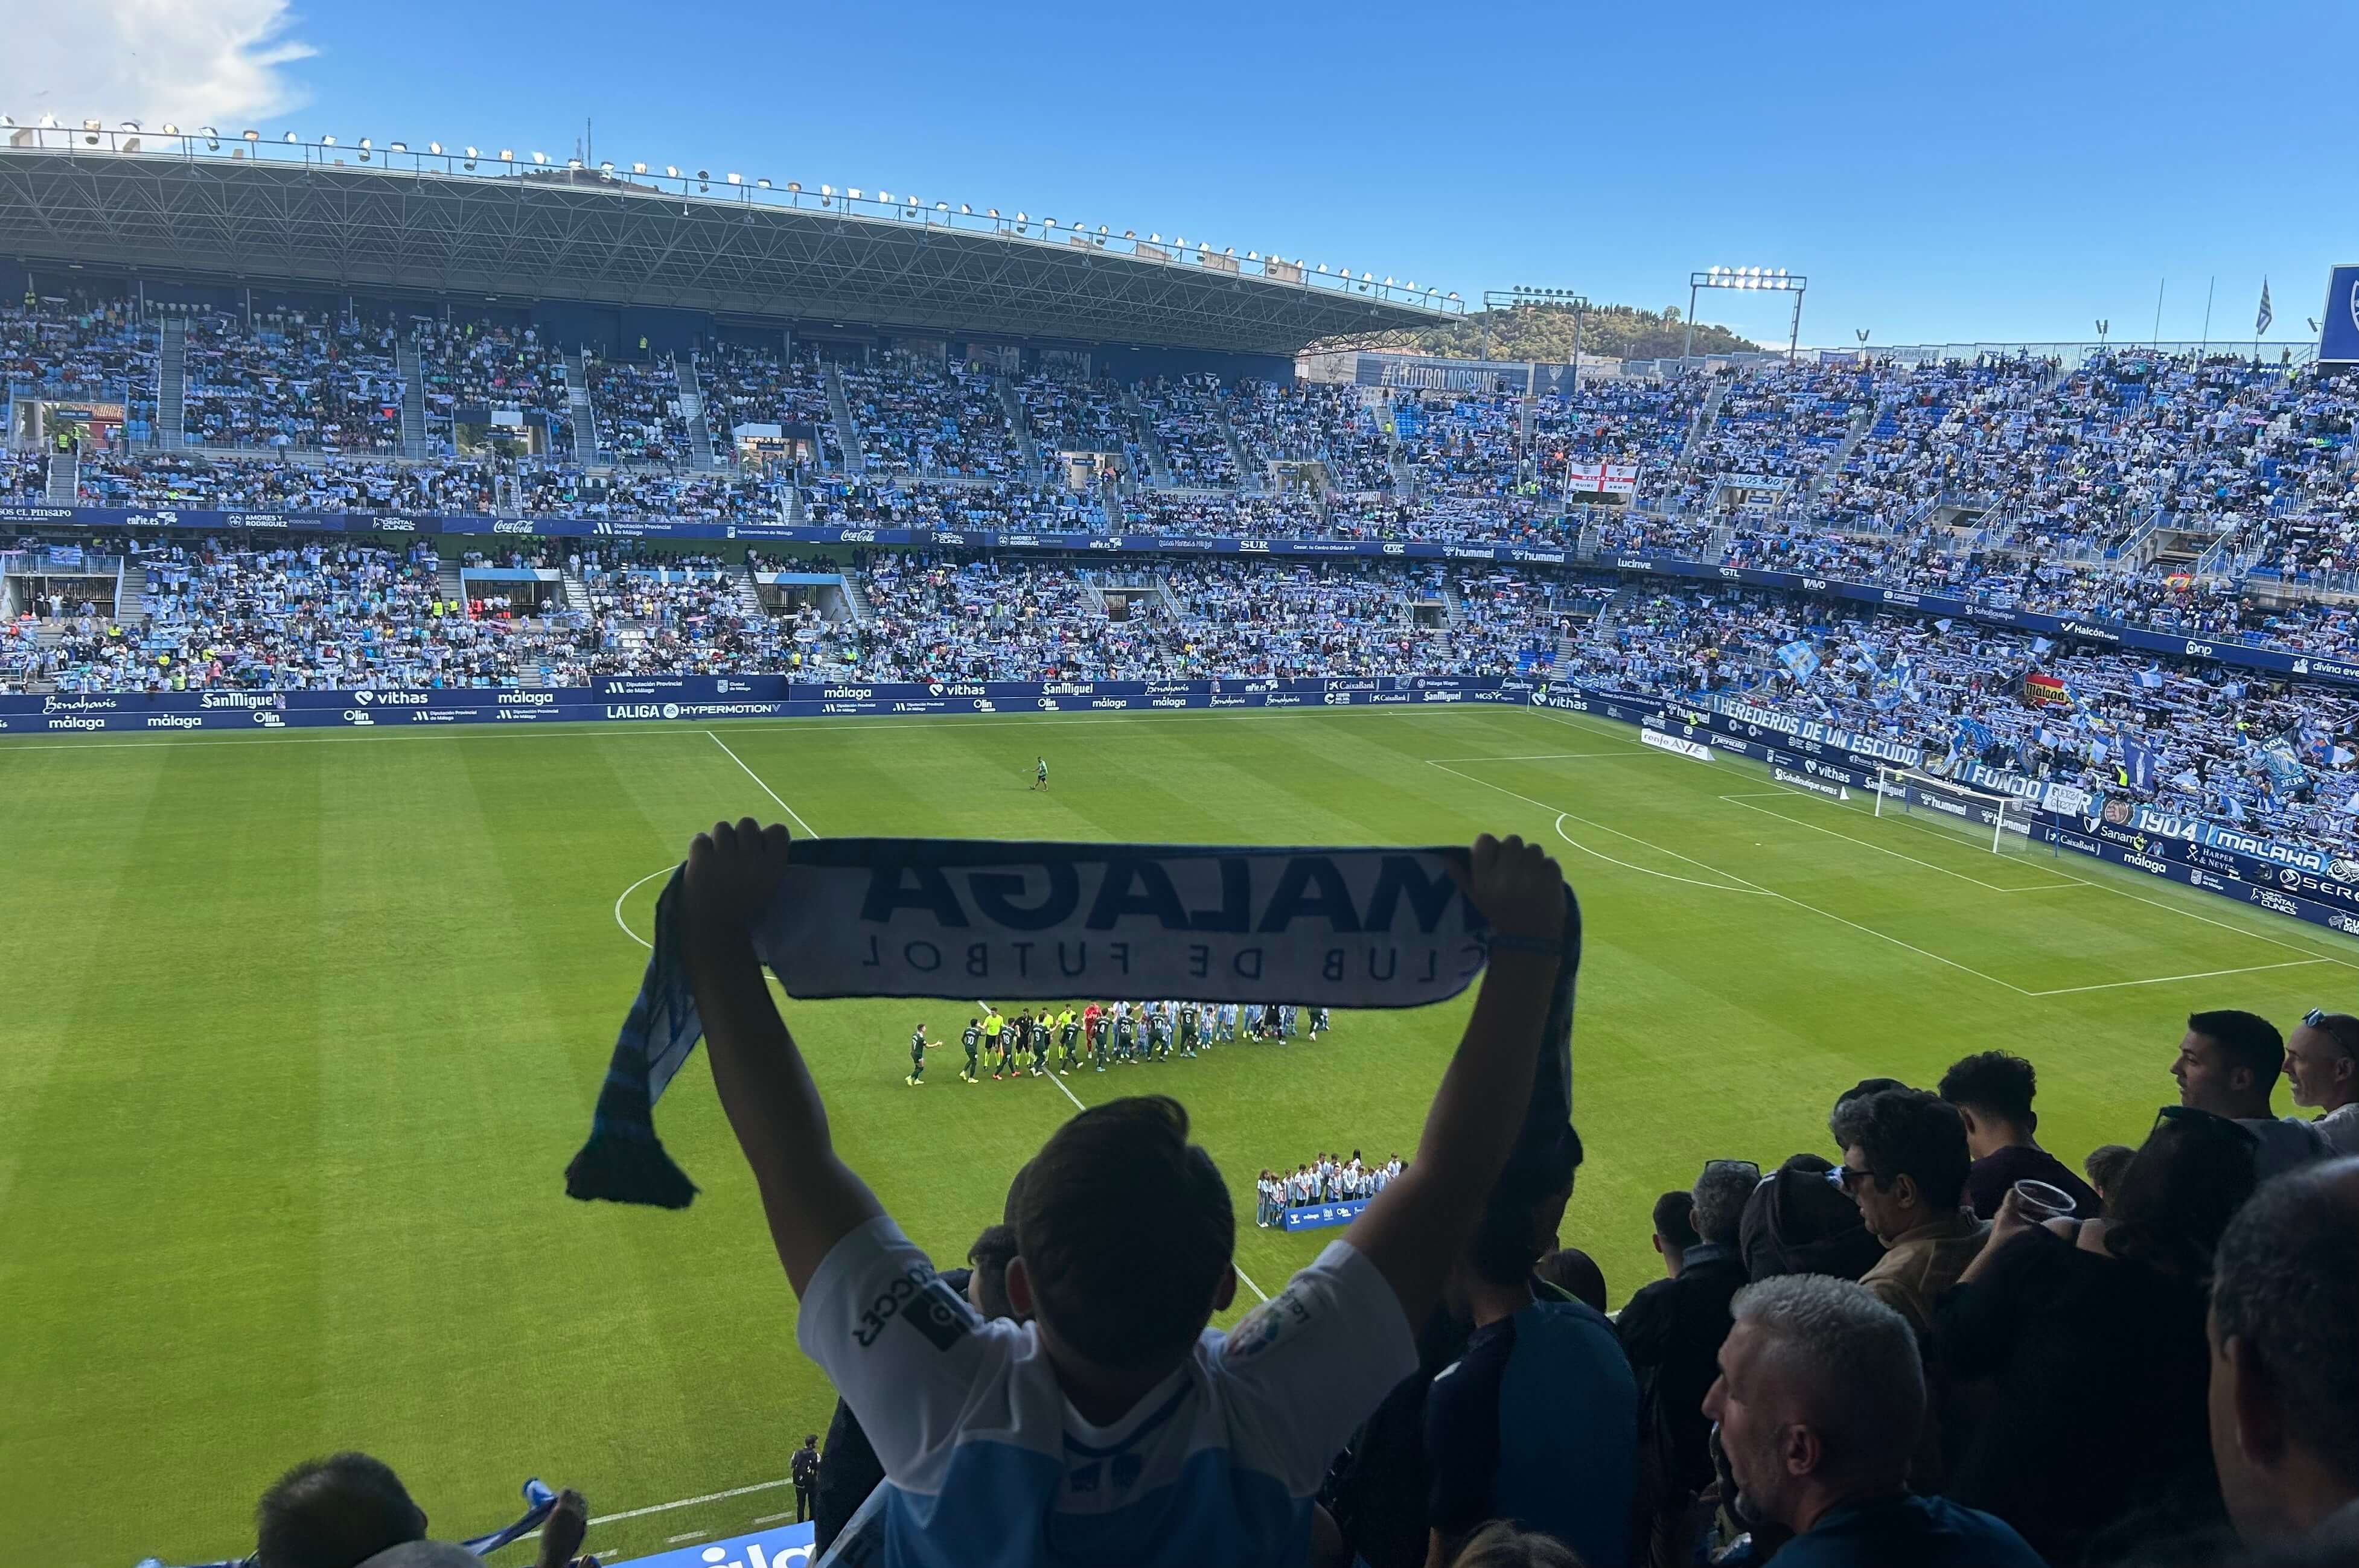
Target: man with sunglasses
2322 1062
2228 1064
1905 1164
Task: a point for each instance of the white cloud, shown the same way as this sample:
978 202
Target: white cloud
187 62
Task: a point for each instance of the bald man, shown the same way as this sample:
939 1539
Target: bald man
2285 1360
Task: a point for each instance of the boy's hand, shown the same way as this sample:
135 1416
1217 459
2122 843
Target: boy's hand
733 874
1519 889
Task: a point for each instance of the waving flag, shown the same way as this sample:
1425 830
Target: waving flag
2138 763
2261 322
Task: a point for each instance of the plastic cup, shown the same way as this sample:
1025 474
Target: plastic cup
2042 1200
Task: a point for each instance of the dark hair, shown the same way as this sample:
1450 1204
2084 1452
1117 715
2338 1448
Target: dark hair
1575 1273
1126 1231
1504 1247
2249 1040
1907 1132
1810 1164
2104 1166
810 1440
2188 1178
989 1255
1994 1084
1675 1221
1859 1091
2283 1283
334 1513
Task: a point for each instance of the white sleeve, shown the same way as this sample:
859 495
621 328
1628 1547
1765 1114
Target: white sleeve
1302 1370
904 1349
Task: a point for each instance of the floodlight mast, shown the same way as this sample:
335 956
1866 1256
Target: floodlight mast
1777 278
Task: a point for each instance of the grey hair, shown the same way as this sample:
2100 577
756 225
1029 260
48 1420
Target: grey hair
1720 1197
2283 1283
1853 1362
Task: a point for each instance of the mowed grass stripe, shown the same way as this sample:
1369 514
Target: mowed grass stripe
425 978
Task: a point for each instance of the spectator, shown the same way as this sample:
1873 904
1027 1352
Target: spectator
1993 1091
350 1508
1502 1545
1675 1229
849 1469
1497 1443
1113 1425
334 1513
1819 1400
1574 1273
986 1288
804 1472
1905 1165
424 1554
1799 1222
2322 1061
2284 1332
2105 1164
2228 1064
2092 1338
1672 1328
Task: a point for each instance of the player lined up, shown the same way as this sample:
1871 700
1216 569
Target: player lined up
1330 1179
1122 1033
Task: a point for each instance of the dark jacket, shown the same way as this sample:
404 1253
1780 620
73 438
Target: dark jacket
1797 1222
1671 1331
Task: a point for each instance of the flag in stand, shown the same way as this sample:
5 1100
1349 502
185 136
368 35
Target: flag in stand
2261 322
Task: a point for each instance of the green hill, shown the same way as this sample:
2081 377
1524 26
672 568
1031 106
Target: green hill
1621 332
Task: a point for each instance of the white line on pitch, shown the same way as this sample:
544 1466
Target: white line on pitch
1754 886
1880 849
757 777
683 1503
690 1535
1550 755
2167 979
1246 1279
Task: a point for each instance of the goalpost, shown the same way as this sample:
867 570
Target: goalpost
2000 822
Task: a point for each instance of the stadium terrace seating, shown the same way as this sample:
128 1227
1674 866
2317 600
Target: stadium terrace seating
332 386
1185 416
919 420
188 480
98 352
750 385
1313 422
1075 415
476 365
636 405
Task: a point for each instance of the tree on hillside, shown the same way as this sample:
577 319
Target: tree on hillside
1620 331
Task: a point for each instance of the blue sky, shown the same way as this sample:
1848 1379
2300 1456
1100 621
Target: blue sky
1941 173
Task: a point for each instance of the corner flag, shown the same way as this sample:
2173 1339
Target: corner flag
2261 322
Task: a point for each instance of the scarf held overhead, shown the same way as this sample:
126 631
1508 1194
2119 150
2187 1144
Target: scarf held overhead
956 919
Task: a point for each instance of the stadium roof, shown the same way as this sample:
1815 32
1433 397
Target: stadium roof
458 221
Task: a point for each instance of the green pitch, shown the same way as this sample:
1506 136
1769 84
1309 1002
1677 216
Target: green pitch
299 1031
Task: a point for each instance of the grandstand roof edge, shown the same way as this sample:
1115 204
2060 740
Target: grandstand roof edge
319 223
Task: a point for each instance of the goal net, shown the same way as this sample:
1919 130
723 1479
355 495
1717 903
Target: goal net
1998 822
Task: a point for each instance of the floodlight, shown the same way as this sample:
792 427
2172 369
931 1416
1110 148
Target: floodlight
737 179
434 148
638 168
290 138
852 191
540 157
365 146
396 147
671 171
884 195
327 141
763 184
572 163
507 155
48 119
171 130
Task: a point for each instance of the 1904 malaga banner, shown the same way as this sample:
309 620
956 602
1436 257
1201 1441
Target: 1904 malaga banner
2082 628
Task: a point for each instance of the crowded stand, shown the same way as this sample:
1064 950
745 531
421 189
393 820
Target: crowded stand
293 381
1074 415
1183 413
916 418
1310 421
636 405
746 386
484 367
97 350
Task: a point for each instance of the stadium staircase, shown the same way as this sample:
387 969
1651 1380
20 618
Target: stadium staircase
692 408
575 591
847 430
1170 601
1142 430
585 419
1453 608
65 479
749 594
1094 592
1707 418
448 583
791 504
1251 479
413 398
1861 423
855 600
172 385
1021 428
507 500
